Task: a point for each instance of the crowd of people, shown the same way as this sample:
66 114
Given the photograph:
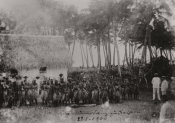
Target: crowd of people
85 88
19 91
81 88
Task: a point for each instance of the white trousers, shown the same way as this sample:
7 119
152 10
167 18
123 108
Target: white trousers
156 91
163 93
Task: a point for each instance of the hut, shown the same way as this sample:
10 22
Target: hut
39 55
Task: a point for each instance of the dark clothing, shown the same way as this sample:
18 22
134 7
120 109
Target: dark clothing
61 80
1 95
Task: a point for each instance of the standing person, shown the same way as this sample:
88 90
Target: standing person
164 87
15 92
38 81
61 78
25 79
167 112
156 86
35 91
1 94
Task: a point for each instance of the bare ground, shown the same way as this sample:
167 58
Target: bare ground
125 112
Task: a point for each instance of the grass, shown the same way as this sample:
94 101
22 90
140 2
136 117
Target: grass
125 112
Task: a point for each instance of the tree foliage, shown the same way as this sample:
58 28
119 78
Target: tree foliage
105 21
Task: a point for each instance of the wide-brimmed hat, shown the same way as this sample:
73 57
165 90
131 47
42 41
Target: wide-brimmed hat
155 74
173 78
60 74
25 77
37 77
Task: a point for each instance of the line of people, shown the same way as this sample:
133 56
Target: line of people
19 92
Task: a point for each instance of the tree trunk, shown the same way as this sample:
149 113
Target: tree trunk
107 56
109 52
161 53
124 59
73 48
144 54
87 56
84 54
130 53
99 55
170 56
69 47
118 53
133 54
151 53
156 52
104 51
166 51
149 42
114 57
109 44
81 55
118 57
166 55
91 55
126 54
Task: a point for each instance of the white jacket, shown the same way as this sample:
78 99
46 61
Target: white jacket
156 82
164 85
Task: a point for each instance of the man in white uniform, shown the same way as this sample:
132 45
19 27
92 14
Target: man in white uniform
164 88
156 86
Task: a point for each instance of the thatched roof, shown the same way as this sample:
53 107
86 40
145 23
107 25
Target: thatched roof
32 51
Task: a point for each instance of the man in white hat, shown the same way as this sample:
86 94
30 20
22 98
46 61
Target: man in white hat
156 86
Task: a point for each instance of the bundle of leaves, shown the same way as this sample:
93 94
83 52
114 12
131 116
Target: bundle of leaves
162 67
162 37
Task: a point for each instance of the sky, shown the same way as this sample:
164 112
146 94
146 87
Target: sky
81 4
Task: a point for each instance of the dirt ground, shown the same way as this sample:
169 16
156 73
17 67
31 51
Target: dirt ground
140 111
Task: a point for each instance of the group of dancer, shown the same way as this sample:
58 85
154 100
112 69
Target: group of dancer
17 91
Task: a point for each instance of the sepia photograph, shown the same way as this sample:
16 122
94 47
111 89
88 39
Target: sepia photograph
87 61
